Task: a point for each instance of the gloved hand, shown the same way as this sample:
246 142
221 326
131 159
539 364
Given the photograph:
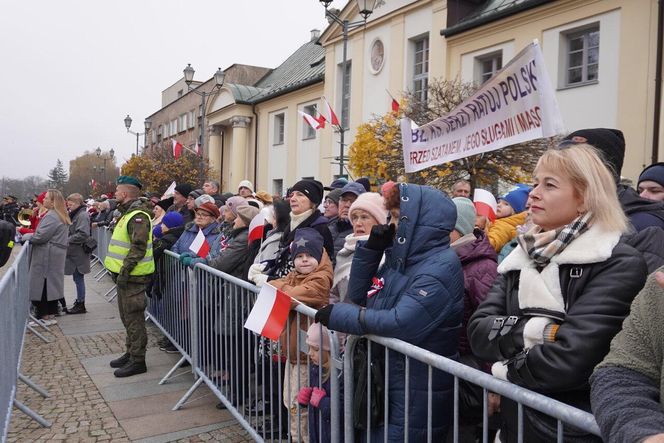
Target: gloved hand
123 279
186 260
381 237
186 254
256 275
193 261
304 395
323 315
316 396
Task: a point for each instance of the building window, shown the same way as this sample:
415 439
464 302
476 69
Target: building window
278 187
345 99
308 132
191 119
183 122
582 56
180 93
421 69
279 126
487 65
174 127
165 131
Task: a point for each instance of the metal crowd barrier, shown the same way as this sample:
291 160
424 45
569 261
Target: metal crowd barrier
13 318
103 236
202 312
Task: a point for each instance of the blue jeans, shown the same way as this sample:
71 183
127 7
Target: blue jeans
80 286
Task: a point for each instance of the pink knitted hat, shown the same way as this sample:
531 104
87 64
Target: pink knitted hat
372 202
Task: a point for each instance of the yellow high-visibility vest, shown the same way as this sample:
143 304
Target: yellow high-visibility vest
119 246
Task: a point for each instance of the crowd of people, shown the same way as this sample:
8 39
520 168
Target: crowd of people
539 296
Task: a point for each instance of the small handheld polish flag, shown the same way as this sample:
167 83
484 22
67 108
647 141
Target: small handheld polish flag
485 203
256 227
200 245
270 312
170 191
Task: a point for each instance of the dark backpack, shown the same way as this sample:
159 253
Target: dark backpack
7 233
369 373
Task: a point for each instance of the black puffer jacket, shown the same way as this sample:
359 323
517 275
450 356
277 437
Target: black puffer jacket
598 278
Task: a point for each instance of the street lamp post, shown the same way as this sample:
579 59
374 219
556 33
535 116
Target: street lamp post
127 122
104 158
218 83
366 8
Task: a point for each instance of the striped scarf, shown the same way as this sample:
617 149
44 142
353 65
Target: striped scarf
541 247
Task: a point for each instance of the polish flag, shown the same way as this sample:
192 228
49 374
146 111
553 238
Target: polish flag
330 115
170 191
315 123
198 149
395 106
93 183
177 149
200 245
485 203
256 227
270 312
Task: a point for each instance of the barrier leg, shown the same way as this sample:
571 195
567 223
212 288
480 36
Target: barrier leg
41 391
32 414
39 322
34 331
172 370
98 276
186 396
110 291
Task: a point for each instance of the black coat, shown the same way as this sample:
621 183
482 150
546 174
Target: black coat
598 282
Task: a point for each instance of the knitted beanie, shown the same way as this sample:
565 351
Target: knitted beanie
307 240
466 215
247 213
610 142
165 203
371 202
205 198
184 189
172 219
313 189
196 193
334 195
234 202
245 184
517 197
654 172
314 336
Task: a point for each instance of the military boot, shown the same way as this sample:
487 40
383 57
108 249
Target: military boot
120 361
131 368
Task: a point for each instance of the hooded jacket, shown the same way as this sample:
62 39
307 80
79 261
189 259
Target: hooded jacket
641 212
313 290
421 302
597 278
478 261
502 230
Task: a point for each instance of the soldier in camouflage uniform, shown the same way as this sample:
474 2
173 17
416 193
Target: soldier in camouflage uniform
131 265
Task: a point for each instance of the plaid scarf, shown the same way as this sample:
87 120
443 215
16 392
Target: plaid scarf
543 246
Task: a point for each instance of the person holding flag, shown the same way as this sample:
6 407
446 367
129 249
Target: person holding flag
130 262
202 234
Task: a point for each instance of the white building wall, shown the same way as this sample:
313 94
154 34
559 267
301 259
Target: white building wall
593 105
374 96
416 24
308 150
278 154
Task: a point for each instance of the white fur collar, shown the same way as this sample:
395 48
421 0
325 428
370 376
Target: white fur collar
593 246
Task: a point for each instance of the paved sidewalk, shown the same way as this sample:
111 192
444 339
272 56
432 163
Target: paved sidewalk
89 404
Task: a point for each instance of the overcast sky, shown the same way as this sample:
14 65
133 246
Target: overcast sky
73 69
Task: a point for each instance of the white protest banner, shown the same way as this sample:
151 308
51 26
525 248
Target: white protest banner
516 105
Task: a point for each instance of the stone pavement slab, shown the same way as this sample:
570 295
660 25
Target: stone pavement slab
89 404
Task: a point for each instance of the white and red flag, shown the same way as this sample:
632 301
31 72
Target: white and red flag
270 312
200 245
93 183
170 191
256 228
177 149
315 122
329 114
485 203
198 149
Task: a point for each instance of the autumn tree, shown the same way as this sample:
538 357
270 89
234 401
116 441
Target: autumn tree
88 167
377 149
157 169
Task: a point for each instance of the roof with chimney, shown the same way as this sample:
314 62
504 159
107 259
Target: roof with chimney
490 11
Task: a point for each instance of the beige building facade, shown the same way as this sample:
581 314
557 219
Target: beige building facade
600 54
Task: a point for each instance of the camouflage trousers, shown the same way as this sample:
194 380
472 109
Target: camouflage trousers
132 303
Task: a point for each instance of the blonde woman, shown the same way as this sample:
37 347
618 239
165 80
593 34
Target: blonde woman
47 260
562 294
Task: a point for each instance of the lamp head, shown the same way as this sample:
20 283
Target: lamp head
366 7
219 77
127 121
188 74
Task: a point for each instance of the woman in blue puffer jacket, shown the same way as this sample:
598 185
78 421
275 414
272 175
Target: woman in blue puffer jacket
420 302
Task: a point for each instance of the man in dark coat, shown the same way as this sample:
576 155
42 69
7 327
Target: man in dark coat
78 261
211 188
180 195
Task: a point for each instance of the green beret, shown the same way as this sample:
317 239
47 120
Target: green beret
128 180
